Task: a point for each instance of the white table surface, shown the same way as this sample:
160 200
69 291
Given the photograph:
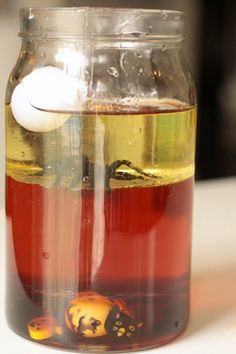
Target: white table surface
212 327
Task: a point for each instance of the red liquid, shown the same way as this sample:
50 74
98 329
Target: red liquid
131 244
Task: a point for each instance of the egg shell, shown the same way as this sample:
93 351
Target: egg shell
40 101
32 118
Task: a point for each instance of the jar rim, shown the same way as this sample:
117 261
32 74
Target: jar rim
98 22
102 9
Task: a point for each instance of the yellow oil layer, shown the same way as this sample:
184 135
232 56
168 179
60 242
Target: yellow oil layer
105 150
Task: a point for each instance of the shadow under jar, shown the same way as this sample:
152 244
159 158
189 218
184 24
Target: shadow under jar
100 127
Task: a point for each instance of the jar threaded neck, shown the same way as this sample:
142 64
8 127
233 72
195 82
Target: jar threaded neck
98 23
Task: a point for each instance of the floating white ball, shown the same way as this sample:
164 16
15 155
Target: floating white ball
40 102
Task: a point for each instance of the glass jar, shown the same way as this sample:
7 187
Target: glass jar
100 126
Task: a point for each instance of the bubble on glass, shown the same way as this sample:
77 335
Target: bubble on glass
138 55
131 101
45 37
87 220
164 15
113 71
85 179
137 130
140 71
43 54
132 142
163 47
46 255
22 154
128 100
49 167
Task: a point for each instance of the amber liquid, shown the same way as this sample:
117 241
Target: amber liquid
128 239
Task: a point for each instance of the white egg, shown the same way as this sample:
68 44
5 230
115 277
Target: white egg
40 102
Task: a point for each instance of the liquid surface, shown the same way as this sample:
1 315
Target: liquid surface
102 204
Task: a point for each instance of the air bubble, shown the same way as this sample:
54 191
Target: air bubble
22 154
85 179
137 130
46 255
164 15
132 142
138 55
140 71
113 71
163 48
128 100
45 38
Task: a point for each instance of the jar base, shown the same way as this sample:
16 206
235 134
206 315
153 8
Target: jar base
92 348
